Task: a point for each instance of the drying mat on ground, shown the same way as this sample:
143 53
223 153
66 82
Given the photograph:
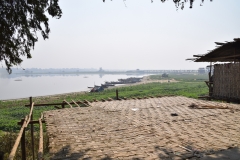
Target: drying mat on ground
155 128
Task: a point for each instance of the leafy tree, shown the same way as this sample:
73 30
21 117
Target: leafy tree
19 22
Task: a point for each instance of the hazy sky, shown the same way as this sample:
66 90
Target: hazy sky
144 35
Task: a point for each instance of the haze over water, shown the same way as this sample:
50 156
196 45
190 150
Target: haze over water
24 86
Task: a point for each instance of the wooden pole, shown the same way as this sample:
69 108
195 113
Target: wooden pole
49 104
20 134
23 144
40 149
116 94
210 80
1 155
32 131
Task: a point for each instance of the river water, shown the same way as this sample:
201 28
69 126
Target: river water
16 86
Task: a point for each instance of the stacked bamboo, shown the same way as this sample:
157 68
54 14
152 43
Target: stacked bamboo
226 81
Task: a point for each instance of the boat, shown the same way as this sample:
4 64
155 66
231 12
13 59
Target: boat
104 85
109 84
97 89
113 83
130 80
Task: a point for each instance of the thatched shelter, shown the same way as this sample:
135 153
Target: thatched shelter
224 78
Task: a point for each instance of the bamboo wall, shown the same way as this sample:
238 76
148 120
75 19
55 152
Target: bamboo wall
226 81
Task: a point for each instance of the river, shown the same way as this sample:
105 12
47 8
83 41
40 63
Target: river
16 86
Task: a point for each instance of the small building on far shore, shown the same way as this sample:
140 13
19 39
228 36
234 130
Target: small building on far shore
224 80
201 71
164 75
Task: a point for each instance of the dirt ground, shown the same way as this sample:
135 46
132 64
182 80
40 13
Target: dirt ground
155 128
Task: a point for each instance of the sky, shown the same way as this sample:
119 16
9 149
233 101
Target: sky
136 34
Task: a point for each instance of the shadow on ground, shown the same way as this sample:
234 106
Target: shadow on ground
161 152
64 154
228 154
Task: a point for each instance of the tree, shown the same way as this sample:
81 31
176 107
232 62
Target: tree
20 20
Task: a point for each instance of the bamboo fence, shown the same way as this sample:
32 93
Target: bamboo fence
226 81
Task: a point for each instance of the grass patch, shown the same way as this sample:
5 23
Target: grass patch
8 139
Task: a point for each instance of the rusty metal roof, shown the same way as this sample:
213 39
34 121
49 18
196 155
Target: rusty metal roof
224 52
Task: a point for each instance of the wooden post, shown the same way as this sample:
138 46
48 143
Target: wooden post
1 155
116 94
40 149
23 144
210 80
19 139
32 131
63 105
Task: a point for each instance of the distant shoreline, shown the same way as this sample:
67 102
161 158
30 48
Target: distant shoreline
146 79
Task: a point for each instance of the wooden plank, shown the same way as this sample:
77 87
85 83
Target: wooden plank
209 59
30 114
95 100
86 101
85 104
185 148
44 104
16 144
57 107
31 122
40 149
48 104
219 43
110 99
75 103
198 55
68 103
53 104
